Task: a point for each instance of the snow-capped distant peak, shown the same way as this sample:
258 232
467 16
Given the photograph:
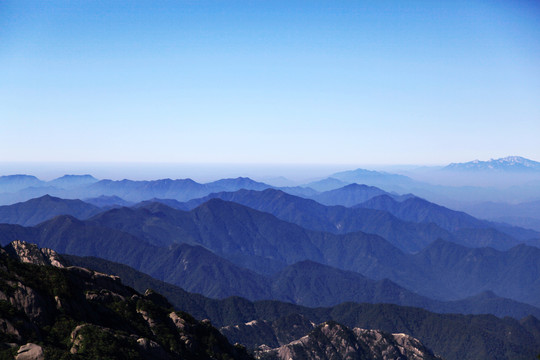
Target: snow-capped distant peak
509 163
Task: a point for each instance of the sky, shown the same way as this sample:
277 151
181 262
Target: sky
338 83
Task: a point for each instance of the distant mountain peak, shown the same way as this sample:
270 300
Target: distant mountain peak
18 176
72 176
509 163
359 186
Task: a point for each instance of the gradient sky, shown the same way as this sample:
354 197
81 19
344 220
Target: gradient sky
312 82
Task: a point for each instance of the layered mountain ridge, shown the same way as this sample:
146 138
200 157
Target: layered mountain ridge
267 244
261 242
275 323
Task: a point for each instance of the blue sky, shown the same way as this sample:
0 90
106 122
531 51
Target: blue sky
269 82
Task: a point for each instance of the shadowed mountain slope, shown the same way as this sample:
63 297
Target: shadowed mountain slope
422 211
312 284
452 336
312 215
192 267
444 271
106 202
12 183
37 210
18 188
180 189
348 195
410 225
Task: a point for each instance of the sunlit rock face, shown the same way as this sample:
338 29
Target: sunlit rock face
331 340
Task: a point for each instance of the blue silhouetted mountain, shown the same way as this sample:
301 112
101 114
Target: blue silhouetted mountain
19 188
12 183
175 204
311 284
265 244
107 202
73 181
388 181
181 189
526 214
348 195
326 184
504 180
418 227
468 230
192 267
37 210
251 238
465 271
262 242
335 219
422 211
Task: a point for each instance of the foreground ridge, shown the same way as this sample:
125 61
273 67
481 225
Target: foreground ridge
49 309
59 312
331 340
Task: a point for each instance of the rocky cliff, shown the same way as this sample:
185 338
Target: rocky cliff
48 310
334 341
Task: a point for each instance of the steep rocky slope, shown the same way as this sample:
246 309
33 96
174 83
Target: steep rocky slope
60 312
333 341
453 336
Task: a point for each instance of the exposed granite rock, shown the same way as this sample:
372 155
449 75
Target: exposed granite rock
31 303
72 311
76 338
178 322
30 351
31 253
270 333
333 341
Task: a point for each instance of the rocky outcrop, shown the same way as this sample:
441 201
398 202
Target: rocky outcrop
333 341
73 311
30 352
270 333
30 253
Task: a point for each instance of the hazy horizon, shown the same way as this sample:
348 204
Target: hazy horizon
273 174
201 172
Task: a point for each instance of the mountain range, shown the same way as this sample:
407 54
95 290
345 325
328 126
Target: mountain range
52 310
244 245
35 211
276 323
17 188
526 214
446 187
410 224
290 271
